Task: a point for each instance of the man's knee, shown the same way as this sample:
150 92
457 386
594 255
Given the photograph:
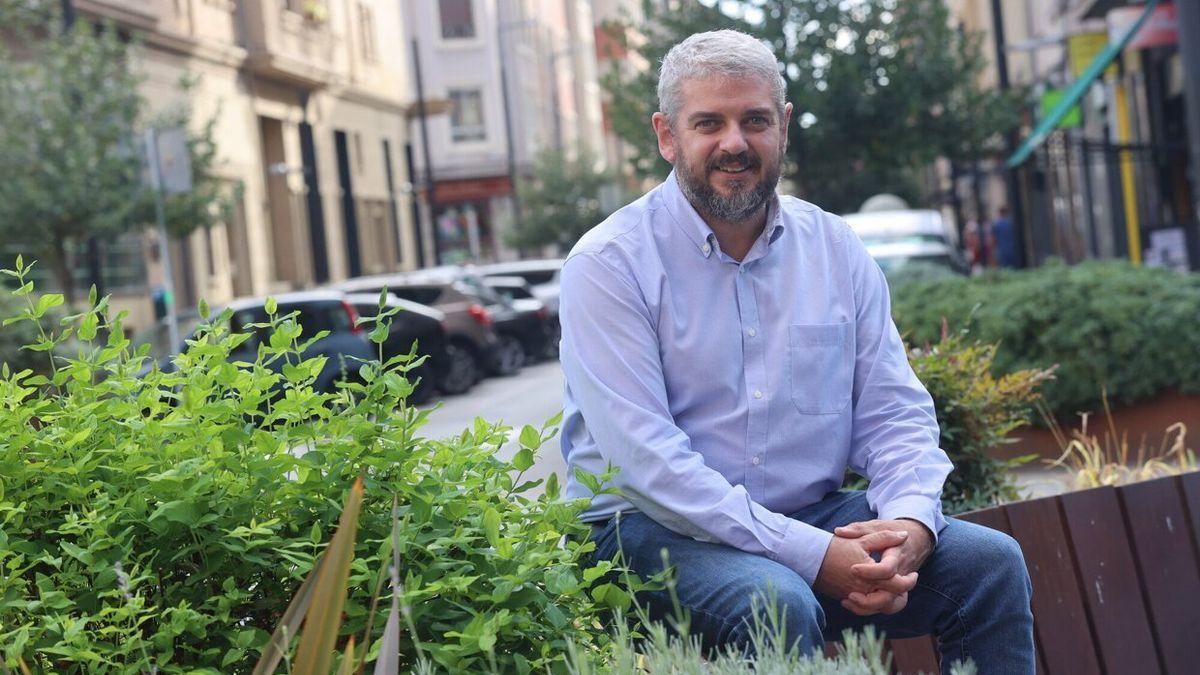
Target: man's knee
989 559
788 616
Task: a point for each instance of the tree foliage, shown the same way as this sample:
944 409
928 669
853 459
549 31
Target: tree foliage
70 129
880 87
560 202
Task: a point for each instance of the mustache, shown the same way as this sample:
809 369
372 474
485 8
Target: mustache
742 159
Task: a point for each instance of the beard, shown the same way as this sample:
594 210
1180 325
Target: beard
746 196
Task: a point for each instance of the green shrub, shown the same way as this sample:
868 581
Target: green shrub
1107 325
976 411
167 520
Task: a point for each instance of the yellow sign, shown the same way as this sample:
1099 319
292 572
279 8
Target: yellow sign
1083 47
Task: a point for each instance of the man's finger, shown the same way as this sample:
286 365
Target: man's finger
884 539
875 602
901 583
887 567
855 530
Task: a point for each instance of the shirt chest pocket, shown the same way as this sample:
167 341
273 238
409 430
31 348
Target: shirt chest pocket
820 367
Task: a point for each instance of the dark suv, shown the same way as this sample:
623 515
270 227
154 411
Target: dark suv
426 327
346 345
472 341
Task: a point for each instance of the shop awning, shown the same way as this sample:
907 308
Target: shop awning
1081 84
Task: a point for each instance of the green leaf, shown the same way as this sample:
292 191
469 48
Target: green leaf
588 480
530 438
88 327
179 511
202 309
270 306
491 526
552 486
523 459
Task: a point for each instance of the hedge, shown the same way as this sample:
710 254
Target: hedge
1108 326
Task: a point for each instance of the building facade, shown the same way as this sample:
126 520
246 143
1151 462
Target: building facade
515 77
311 124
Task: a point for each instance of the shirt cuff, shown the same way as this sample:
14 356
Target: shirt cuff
803 549
922 509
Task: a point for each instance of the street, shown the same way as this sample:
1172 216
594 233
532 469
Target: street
532 396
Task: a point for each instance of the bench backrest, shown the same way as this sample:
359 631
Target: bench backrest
1116 579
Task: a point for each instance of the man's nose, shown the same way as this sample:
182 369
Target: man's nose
733 141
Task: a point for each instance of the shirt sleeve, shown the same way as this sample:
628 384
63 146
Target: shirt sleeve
610 356
895 436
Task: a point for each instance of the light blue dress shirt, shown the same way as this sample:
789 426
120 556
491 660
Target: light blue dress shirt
730 394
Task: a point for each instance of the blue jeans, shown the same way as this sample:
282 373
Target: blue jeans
972 592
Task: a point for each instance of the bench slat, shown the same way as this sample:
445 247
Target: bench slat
1060 619
1103 553
997 519
1166 558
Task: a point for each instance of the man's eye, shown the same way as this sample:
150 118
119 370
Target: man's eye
758 121
707 124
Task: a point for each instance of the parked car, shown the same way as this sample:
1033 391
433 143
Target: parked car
518 291
472 340
346 345
424 326
934 259
911 233
542 276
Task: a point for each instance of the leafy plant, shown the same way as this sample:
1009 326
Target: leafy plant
976 410
163 521
1095 463
1108 326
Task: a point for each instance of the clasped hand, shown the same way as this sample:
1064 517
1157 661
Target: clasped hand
866 586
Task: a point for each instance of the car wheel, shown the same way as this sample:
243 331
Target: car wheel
510 357
461 370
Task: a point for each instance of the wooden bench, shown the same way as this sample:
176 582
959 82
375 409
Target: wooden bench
1116 579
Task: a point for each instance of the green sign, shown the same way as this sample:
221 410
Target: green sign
1050 100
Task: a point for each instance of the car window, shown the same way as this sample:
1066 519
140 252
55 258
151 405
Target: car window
425 295
318 316
514 292
539 277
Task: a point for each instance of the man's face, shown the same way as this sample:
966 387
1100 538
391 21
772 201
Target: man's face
726 145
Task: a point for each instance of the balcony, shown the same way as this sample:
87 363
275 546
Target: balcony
290 41
138 13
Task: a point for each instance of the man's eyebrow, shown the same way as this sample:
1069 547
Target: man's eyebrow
767 112
697 116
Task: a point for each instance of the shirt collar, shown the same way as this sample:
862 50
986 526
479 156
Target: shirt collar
698 231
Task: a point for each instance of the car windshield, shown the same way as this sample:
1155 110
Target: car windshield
425 295
890 263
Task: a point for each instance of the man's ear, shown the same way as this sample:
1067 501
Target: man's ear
666 138
787 123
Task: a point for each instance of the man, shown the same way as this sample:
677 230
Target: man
1004 239
731 352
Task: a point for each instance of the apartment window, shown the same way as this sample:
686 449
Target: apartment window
466 116
457 19
366 28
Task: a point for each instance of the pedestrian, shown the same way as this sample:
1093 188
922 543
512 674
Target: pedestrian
1004 239
731 352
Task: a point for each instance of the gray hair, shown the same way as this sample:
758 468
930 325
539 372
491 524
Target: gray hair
726 53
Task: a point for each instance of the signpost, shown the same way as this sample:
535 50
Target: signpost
170 172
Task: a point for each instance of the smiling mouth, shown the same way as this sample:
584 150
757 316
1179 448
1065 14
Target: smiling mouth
732 170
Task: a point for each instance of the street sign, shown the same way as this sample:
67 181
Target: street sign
174 165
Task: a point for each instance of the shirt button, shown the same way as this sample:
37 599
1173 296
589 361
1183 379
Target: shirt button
752 332
757 393
756 460
706 248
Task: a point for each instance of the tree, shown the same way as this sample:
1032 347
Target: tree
881 88
70 145
560 202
